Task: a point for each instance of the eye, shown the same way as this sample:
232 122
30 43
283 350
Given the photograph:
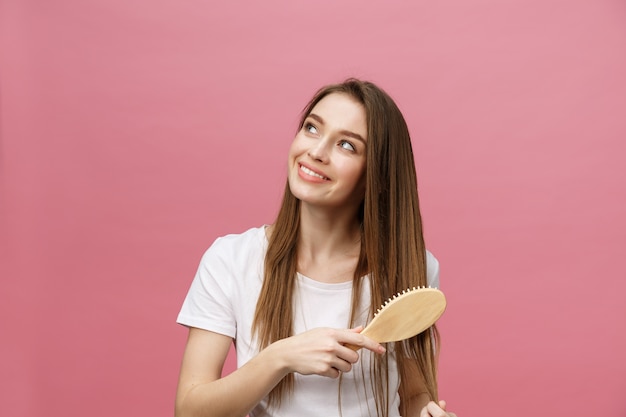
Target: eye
310 128
347 145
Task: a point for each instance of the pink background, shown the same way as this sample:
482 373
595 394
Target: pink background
135 132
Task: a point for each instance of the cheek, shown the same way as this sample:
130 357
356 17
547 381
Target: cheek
358 169
355 172
296 150
296 147
292 153
361 180
360 185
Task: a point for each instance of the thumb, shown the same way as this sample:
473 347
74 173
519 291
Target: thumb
443 404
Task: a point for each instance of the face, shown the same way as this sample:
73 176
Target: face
327 156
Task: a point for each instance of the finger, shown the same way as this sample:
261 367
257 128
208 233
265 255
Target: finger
347 354
353 340
330 366
357 329
372 345
332 373
434 410
342 365
337 363
443 406
341 358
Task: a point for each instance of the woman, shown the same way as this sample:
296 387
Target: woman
293 294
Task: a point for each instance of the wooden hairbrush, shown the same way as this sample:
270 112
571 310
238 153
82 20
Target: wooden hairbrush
405 315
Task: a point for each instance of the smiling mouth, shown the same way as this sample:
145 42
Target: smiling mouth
312 173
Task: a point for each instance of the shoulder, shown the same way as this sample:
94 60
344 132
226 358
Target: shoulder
250 236
233 258
236 246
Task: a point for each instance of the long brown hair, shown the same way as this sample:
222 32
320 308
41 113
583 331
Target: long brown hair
392 254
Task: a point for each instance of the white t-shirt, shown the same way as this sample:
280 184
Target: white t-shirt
223 297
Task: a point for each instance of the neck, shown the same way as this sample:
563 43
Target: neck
329 244
328 230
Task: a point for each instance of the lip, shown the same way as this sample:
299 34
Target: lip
308 177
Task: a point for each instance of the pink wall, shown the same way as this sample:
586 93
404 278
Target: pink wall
135 132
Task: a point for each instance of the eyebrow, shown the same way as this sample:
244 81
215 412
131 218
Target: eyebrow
343 132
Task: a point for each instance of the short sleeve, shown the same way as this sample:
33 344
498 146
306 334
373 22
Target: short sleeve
432 270
208 304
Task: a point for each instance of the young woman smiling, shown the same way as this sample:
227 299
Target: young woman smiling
293 294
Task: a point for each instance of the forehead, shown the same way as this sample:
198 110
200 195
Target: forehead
342 112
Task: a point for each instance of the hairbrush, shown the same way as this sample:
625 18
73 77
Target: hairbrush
405 315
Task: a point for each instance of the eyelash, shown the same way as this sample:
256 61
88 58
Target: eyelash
345 142
308 127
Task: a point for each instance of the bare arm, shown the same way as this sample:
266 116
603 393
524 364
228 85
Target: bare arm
202 393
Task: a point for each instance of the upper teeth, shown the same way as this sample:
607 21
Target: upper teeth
309 172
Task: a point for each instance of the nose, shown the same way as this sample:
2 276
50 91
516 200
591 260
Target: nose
319 150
